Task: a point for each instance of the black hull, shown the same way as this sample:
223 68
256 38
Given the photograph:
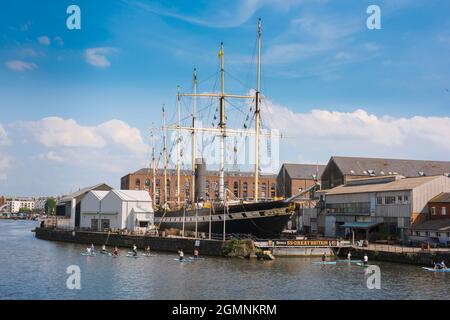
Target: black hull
261 220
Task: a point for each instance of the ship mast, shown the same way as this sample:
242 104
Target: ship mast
153 170
222 125
257 114
178 147
193 138
165 158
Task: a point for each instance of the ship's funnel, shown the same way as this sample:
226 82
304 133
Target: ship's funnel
200 179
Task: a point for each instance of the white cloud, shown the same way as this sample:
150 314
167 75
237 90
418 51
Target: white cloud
3 136
59 132
20 66
55 131
44 40
51 156
229 16
98 56
5 164
58 40
318 134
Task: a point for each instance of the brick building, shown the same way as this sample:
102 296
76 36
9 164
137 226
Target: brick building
439 206
294 178
241 184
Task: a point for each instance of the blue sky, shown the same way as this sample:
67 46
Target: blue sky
76 105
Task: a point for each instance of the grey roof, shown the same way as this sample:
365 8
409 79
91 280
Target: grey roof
173 172
303 171
443 197
397 185
407 168
100 186
442 225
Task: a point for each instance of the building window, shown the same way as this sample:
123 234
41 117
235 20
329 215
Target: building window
245 190
379 200
433 211
236 189
263 190
138 184
389 200
444 211
405 199
207 188
399 199
168 189
272 190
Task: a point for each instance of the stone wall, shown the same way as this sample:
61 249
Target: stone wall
207 247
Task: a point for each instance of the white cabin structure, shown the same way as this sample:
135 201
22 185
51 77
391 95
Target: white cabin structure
117 210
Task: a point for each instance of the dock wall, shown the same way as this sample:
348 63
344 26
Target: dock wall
414 258
207 247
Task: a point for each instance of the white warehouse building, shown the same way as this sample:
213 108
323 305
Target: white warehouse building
117 210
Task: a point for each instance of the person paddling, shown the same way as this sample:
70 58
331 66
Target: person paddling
116 251
195 253
147 250
134 250
366 259
349 256
324 257
181 254
92 248
103 248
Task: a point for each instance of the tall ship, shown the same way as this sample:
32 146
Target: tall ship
223 214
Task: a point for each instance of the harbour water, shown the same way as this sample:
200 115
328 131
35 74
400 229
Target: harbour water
36 269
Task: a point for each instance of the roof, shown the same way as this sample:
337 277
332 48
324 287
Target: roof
360 225
397 185
407 168
99 194
133 195
303 171
438 225
173 172
443 197
100 186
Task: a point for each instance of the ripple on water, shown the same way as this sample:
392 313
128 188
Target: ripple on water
36 269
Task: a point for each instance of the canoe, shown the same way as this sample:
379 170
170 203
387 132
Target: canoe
89 254
436 270
182 261
195 259
362 264
148 255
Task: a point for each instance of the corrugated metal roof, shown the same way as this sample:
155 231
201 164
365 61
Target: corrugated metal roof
83 191
133 195
303 171
408 168
443 197
398 185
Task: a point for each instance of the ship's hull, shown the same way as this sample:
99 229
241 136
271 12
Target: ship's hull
262 220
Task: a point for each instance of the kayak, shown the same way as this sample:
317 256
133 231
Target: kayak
436 270
106 253
324 262
131 256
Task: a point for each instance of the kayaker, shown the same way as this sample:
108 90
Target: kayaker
88 250
195 253
349 256
92 247
134 250
324 257
366 259
147 250
181 254
116 251
103 249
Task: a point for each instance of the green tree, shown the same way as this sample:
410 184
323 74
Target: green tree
50 206
24 210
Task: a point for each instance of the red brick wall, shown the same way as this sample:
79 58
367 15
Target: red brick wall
438 207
